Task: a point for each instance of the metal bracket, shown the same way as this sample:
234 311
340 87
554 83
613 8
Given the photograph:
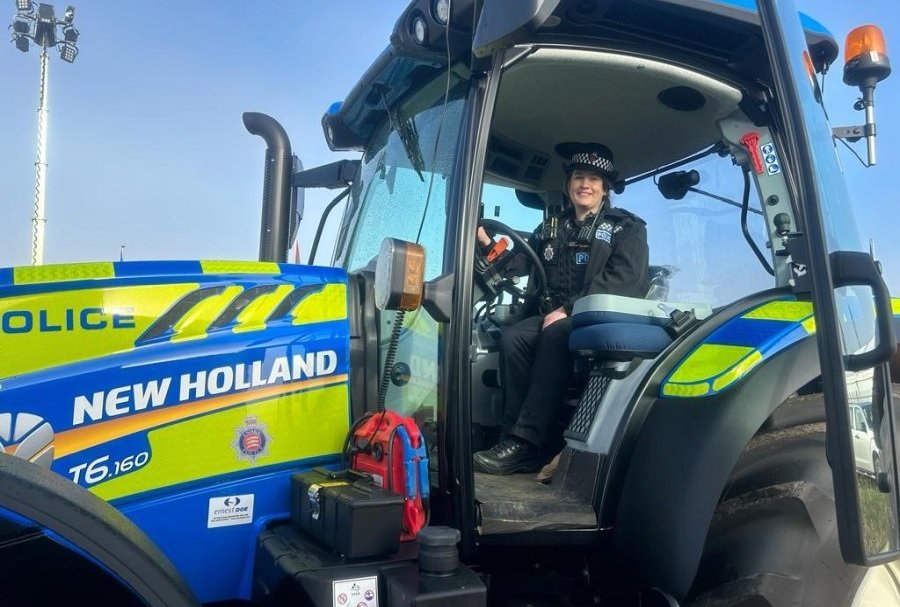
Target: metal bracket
853 133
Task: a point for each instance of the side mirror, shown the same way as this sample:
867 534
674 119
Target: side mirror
674 186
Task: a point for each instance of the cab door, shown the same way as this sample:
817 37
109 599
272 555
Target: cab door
852 305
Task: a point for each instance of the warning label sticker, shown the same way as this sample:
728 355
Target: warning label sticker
357 592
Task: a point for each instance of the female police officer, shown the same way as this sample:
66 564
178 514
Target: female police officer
589 248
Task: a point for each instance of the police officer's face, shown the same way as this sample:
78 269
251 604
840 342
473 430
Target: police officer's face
586 190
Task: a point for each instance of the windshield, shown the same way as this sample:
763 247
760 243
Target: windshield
402 188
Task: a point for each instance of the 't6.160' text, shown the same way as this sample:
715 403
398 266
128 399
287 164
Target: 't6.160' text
102 469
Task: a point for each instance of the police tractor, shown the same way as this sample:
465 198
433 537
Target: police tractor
264 433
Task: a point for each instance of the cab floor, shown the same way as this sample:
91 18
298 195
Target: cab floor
517 503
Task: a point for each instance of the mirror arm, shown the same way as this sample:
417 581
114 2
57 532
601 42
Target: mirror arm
325 214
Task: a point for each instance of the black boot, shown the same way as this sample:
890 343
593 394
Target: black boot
510 455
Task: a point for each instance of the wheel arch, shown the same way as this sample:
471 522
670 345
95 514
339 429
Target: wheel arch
680 453
94 527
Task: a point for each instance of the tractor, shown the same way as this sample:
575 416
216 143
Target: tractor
264 433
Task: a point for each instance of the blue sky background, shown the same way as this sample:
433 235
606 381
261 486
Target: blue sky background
147 149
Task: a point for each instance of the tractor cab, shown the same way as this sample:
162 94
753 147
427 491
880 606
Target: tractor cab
693 135
682 94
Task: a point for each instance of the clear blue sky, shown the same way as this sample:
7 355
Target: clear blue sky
147 149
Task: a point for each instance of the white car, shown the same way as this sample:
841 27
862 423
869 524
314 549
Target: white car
864 446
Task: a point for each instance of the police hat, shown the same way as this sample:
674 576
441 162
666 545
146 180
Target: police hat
594 157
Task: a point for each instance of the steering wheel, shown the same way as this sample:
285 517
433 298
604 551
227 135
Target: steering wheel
493 280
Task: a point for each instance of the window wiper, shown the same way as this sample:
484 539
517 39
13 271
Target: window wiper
408 134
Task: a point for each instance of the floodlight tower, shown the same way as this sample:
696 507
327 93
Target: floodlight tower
43 29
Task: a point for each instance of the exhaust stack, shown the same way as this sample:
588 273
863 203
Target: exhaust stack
277 198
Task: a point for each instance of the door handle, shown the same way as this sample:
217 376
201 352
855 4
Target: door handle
855 268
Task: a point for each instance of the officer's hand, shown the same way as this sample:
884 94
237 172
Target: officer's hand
483 238
557 314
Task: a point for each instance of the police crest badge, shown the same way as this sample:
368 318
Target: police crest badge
548 252
251 440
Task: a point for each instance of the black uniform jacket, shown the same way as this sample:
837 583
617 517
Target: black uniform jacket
618 262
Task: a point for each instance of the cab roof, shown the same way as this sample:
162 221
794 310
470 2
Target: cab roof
719 35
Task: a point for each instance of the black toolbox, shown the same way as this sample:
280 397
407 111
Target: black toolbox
347 512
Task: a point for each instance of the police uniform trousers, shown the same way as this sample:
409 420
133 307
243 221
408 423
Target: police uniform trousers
535 368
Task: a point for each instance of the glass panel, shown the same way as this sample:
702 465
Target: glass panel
395 196
700 238
500 203
870 399
402 193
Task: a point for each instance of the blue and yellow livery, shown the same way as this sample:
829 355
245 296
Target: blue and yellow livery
178 386
738 346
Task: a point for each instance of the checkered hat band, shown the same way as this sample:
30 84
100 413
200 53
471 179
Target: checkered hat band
594 160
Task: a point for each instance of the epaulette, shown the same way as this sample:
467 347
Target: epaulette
618 213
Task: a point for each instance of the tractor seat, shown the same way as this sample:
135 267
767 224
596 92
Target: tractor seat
619 328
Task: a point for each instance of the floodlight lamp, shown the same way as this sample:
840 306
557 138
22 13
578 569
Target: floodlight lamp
22 43
21 26
23 6
69 15
68 52
441 11
419 29
70 34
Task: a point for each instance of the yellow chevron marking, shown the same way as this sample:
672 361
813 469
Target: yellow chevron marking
708 361
253 317
239 267
791 311
737 372
328 304
194 323
686 390
63 272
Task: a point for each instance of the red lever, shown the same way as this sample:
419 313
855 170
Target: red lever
751 142
498 248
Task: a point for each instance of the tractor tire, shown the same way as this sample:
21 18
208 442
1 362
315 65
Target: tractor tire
774 539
